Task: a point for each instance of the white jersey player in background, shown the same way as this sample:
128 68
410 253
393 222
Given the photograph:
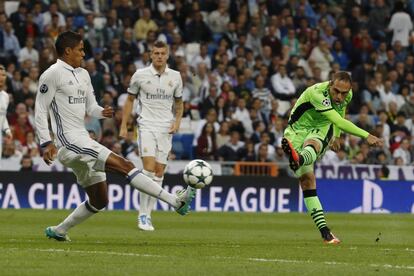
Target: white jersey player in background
158 90
4 103
66 94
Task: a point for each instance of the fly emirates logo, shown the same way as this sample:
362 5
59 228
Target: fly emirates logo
79 99
159 95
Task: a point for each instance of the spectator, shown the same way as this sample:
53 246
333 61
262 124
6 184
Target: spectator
371 97
231 151
206 143
144 24
264 94
262 154
400 24
242 115
219 18
196 30
322 58
403 152
53 10
223 135
26 163
10 42
88 7
408 107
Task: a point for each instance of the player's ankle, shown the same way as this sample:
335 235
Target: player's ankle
301 160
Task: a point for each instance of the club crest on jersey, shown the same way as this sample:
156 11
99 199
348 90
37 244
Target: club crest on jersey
326 102
170 84
43 88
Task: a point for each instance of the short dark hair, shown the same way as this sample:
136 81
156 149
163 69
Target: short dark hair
342 76
160 44
67 39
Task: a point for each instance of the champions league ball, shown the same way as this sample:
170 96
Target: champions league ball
198 174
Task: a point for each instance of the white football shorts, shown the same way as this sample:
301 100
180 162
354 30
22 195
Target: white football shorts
156 144
87 160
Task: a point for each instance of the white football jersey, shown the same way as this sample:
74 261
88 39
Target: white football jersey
4 124
66 94
156 94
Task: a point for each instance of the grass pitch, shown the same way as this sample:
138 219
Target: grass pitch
206 244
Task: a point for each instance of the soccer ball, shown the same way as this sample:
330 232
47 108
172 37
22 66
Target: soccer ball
198 174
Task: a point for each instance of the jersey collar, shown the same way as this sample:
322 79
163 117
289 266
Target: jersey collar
155 72
65 65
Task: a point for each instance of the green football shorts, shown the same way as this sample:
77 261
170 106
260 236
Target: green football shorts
297 137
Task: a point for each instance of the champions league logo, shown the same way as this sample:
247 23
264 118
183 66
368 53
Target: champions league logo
43 88
326 102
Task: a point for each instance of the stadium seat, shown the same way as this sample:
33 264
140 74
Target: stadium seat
79 21
184 146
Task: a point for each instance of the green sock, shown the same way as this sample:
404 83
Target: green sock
315 209
308 155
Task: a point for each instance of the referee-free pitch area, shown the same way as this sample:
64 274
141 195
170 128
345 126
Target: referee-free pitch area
206 244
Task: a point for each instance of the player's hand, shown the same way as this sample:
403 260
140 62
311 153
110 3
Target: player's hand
9 136
375 141
174 128
49 153
108 111
123 131
335 144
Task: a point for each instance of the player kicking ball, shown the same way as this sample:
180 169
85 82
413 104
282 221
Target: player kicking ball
315 123
66 95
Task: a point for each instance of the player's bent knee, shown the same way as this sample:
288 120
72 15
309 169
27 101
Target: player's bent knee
307 181
98 204
317 145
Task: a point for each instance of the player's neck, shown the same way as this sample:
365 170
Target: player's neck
160 69
67 61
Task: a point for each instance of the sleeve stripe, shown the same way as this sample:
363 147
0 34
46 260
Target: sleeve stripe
324 110
129 93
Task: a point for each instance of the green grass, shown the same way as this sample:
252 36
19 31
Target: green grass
206 244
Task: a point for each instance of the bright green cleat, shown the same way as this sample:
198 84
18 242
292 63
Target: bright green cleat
52 234
185 197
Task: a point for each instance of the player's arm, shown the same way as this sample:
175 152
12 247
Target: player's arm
92 107
126 112
349 127
45 95
5 127
179 106
133 91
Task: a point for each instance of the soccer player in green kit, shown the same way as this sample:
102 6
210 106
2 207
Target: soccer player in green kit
315 124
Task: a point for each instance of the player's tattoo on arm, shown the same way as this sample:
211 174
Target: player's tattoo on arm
179 108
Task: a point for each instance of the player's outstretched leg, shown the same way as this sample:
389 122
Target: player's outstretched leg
315 210
180 201
307 156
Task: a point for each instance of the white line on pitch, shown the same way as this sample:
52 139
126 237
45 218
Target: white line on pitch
261 260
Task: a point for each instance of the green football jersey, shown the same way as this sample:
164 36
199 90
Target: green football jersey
307 112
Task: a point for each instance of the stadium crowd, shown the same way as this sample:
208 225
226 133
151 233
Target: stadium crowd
243 65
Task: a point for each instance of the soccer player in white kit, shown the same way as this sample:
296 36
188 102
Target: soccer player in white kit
4 103
158 90
66 94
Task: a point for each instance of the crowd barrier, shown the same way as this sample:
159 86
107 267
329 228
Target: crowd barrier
58 190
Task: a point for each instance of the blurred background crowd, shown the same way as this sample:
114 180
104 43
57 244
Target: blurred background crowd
243 65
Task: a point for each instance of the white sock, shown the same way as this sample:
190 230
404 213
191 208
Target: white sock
145 184
152 200
81 213
143 197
